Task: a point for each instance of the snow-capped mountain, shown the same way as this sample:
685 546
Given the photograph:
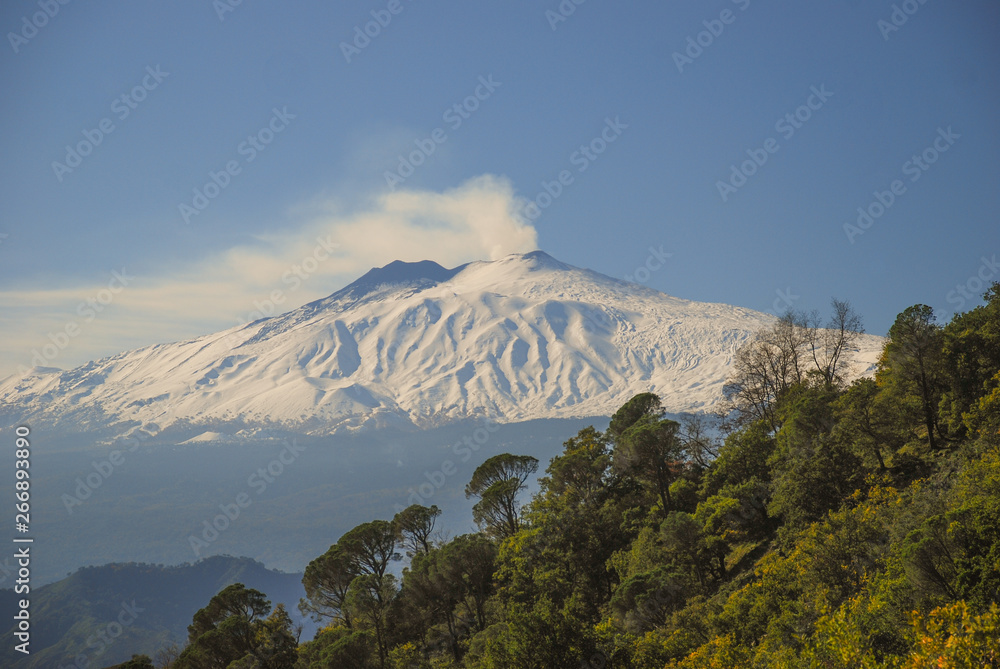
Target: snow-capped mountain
515 339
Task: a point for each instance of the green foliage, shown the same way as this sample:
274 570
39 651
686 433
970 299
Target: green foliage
539 635
813 471
743 458
369 600
983 417
233 631
326 581
642 406
339 647
79 607
953 636
956 555
371 546
580 476
448 589
497 483
837 527
414 526
914 354
869 424
650 450
407 656
971 357
137 662
643 602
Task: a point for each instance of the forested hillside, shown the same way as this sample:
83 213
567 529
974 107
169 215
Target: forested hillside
832 526
99 615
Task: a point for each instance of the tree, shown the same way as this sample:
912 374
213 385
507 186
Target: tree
971 358
643 602
277 646
951 636
651 451
686 542
371 546
868 421
914 354
233 628
449 586
792 351
326 581
578 513
414 526
743 458
430 587
955 555
137 662
983 418
765 368
827 345
579 476
341 648
369 599
813 471
165 657
471 560
537 635
497 483
643 405
699 444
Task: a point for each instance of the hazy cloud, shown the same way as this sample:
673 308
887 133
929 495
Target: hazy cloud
474 221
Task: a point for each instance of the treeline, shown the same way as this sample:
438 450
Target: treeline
834 526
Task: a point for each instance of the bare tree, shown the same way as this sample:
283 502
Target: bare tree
763 369
699 444
827 346
165 657
794 350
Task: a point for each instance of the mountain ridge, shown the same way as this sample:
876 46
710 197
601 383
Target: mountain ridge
74 611
415 344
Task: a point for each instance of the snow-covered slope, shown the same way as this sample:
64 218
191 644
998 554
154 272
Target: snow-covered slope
414 343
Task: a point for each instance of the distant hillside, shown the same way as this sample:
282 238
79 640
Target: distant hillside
70 617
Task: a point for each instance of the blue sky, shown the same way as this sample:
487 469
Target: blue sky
307 204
